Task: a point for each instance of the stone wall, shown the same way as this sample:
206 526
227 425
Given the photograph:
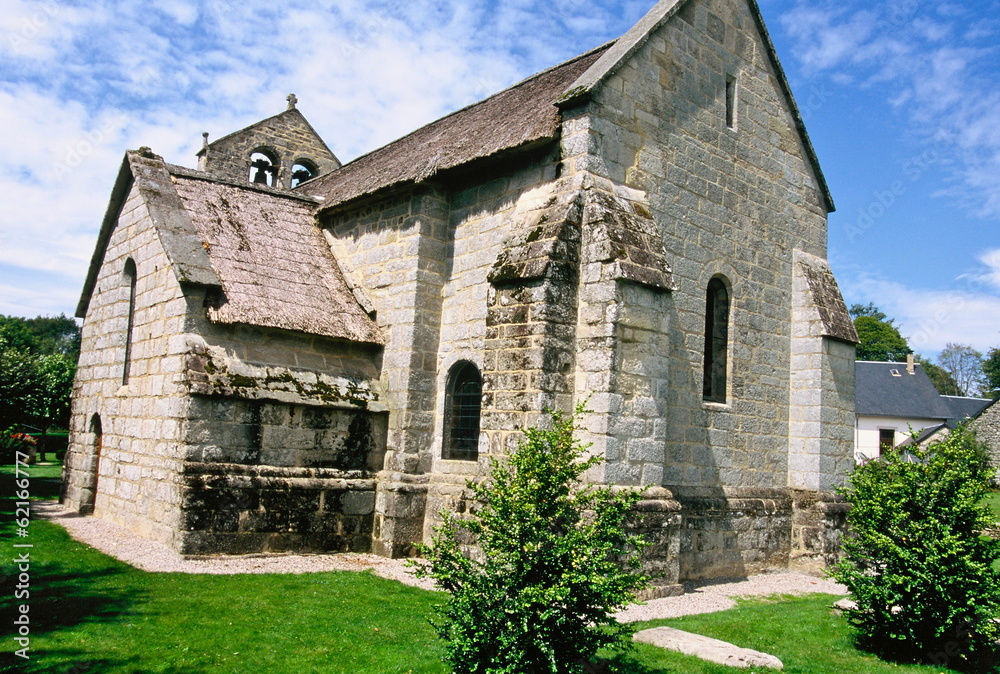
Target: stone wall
733 203
286 136
137 469
225 438
987 429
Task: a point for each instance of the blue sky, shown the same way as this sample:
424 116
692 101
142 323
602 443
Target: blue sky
898 96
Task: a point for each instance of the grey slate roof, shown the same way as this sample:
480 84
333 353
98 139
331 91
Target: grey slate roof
879 393
966 408
521 116
259 246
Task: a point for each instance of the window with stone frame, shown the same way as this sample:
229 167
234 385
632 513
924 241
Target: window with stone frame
731 101
462 410
716 341
129 278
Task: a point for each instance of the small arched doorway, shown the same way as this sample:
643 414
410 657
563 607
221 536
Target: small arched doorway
90 492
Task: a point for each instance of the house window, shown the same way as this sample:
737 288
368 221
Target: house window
303 170
463 406
129 276
886 439
716 341
731 101
263 168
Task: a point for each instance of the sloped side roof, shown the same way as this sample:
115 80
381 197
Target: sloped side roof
964 408
276 269
880 393
516 117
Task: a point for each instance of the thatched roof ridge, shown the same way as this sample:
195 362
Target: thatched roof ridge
519 116
276 270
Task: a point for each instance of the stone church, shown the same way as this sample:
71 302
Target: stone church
283 353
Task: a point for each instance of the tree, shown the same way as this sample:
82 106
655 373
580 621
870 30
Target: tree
965 365
915 559
991 373
42 335
880 340
942 380
540 593
870 310
37 365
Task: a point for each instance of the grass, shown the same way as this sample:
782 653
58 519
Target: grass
94 614
993 501
90 613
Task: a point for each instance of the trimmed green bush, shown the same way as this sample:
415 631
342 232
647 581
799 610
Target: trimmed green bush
535 575
915 560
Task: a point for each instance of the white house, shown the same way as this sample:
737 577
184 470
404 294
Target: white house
894 400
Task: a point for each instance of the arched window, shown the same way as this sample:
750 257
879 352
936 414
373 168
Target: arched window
129 277
716 341
263 168
462 408
90 496
303 170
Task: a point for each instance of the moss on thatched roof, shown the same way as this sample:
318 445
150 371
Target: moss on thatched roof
276 270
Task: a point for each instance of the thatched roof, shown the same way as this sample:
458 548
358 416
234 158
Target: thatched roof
516 117
275 268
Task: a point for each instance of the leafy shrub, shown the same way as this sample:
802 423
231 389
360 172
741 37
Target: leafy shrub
552 563
915 561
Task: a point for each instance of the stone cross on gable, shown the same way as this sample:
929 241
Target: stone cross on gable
292 100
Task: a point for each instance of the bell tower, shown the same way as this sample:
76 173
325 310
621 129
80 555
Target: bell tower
282 151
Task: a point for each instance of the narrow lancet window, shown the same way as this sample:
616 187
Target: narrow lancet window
129 275
463 407
731 101
716 341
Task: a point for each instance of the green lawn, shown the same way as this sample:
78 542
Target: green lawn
90 613
93 613
993 501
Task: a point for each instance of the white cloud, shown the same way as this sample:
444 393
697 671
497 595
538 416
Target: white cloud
934 66
930 319
85 82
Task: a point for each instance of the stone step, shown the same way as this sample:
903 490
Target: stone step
706 648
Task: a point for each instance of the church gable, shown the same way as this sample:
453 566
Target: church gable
726 36
282 151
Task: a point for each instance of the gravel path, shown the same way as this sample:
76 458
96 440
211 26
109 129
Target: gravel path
147 555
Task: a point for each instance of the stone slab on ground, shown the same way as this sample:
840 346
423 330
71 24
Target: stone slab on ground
706 648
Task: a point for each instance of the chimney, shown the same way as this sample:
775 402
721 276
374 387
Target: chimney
910 369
